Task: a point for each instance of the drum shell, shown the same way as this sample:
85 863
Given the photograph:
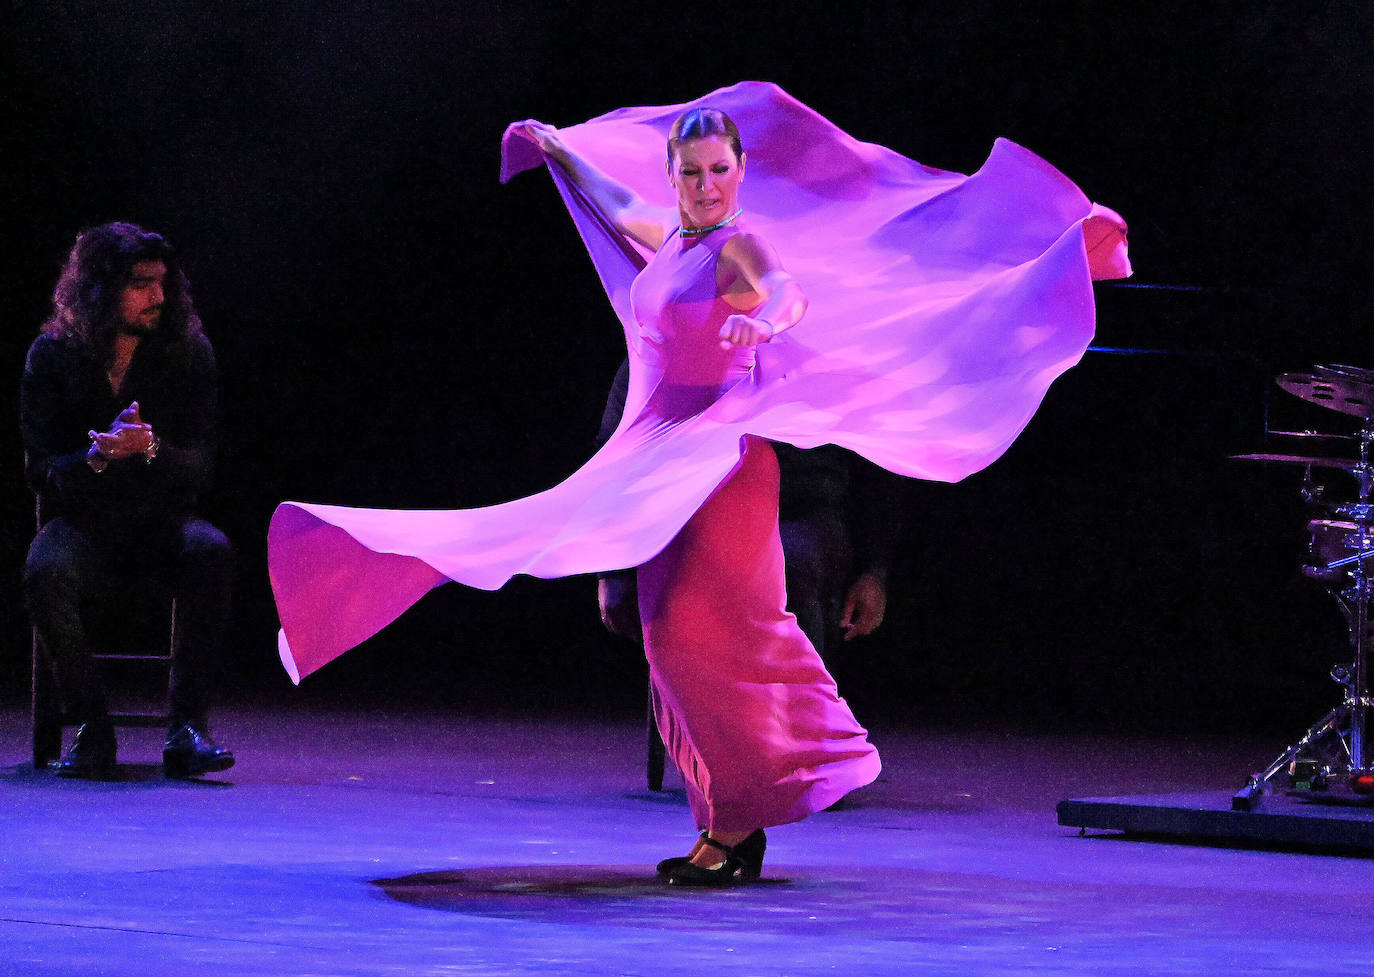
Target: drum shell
1329 540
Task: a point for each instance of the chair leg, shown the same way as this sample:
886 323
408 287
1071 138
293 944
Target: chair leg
657 751
45 704
46 711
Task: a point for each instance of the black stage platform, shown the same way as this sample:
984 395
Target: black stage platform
1276 820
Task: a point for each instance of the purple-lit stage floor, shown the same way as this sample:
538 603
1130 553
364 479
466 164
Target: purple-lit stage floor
392 844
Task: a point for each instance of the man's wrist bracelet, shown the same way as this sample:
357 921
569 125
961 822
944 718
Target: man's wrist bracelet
150 452
95 460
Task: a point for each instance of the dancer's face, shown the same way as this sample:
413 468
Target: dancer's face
707 176
140 304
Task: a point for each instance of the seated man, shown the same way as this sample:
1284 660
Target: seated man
117 408
839 517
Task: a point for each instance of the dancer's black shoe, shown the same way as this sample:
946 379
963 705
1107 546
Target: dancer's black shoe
668 864
742 863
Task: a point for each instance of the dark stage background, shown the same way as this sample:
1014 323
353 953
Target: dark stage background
395 328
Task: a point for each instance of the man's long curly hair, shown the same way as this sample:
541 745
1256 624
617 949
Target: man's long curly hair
86 299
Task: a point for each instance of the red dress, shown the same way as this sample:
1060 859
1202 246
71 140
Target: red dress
747 709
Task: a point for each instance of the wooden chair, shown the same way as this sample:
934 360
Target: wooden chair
123 648
120 663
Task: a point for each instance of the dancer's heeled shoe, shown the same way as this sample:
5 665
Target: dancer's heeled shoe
743 862
677 861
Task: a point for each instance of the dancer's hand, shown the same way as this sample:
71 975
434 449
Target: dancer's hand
864 606
546 138
744 330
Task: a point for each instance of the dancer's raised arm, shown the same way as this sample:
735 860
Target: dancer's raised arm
625 209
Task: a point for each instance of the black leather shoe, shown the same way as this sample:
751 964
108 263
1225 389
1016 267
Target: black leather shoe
666 867
742 863
91 756
189 753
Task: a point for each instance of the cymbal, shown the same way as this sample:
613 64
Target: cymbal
1314 435
1344 371
1349 464
1347 395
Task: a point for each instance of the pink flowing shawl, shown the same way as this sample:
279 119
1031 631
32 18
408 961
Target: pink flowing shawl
942 307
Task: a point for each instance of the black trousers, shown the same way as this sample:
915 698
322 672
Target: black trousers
818 556
72 569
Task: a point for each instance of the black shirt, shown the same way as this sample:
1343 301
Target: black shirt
65 394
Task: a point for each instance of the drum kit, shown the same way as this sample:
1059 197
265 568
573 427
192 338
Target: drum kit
1333 759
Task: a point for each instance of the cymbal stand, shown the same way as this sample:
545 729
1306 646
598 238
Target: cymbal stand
1332 758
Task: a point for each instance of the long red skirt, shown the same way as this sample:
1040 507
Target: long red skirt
748 712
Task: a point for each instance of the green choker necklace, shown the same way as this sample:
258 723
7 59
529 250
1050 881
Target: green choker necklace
699 231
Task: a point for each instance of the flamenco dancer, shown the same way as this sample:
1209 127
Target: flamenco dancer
928 314
745 706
